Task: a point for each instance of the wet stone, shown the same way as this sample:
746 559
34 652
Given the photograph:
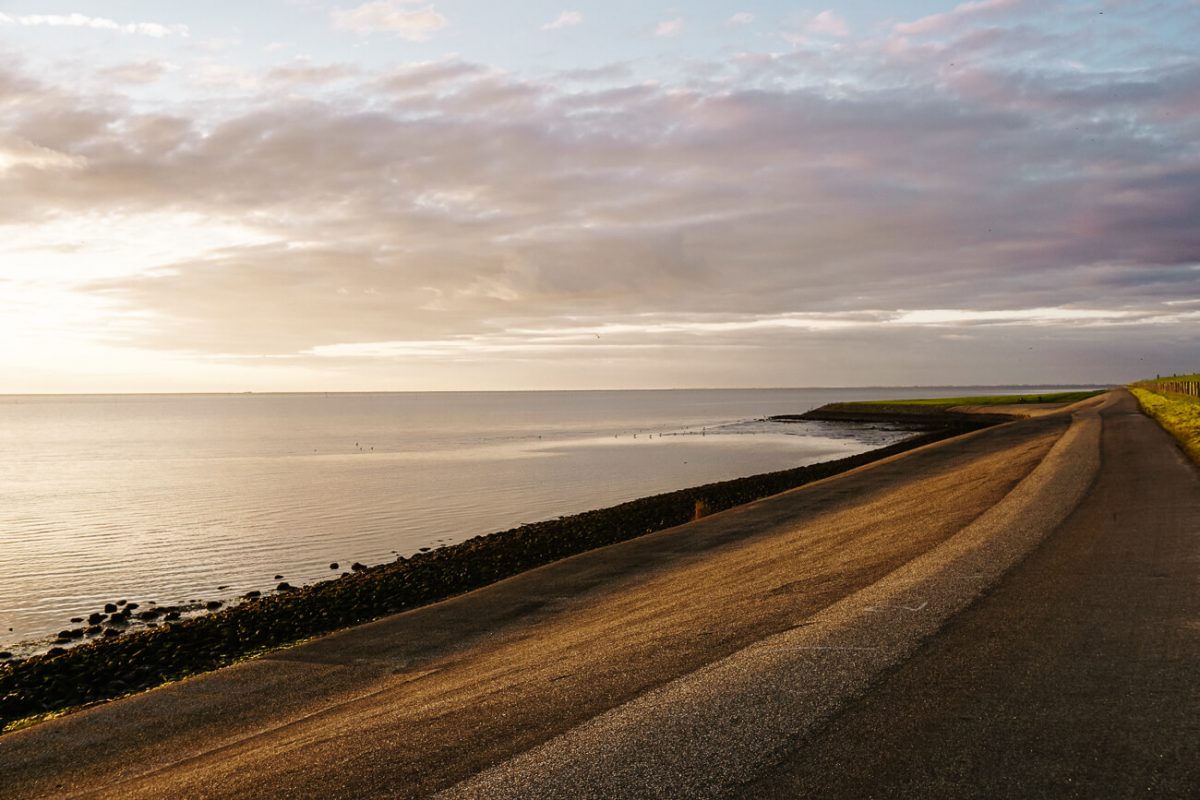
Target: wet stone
110 608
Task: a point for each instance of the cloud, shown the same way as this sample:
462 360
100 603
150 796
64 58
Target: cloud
302 72
669 27
827 23
961 15
391 16
153 29
427 76
867 212
740 18
566 19
141 72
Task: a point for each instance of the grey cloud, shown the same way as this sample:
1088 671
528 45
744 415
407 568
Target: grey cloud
423 77
447 199
620 71
139 72
302 72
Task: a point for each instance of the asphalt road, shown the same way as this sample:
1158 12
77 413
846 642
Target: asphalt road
756 635
1078 676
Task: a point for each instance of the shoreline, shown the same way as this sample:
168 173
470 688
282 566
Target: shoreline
104 669
734 448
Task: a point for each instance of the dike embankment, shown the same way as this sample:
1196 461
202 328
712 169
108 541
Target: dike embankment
126 663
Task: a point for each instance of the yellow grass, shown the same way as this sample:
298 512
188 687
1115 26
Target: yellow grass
1179 415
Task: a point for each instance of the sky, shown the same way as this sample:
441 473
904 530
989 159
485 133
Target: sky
300 195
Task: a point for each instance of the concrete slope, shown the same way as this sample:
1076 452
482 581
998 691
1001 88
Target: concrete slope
1078 677
422 701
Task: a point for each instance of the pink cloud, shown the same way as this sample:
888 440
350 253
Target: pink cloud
669 27
827 23
937 23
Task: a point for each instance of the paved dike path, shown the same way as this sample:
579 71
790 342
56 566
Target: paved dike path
1011 613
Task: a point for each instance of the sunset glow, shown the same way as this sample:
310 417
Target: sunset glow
310 195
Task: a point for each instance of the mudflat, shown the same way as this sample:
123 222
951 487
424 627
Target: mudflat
419 702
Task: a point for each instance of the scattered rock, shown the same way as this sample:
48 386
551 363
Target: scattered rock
278 577
96 618
110 608
357 567
121 602
150 614
173 615
111 632
93 630
222 588
130 606
5 654
76 619
213 605
284 587
334 565
55 651
423 549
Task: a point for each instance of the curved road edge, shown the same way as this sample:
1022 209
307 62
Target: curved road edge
708 732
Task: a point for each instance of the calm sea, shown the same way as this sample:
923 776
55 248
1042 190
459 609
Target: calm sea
173 498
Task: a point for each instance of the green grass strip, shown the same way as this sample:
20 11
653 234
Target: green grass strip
1177 414
986 400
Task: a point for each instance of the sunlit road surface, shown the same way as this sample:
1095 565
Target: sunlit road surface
1015 612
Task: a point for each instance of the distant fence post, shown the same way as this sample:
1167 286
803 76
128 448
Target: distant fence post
1189 388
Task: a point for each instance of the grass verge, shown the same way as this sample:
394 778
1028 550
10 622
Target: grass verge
987 400
1177 414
